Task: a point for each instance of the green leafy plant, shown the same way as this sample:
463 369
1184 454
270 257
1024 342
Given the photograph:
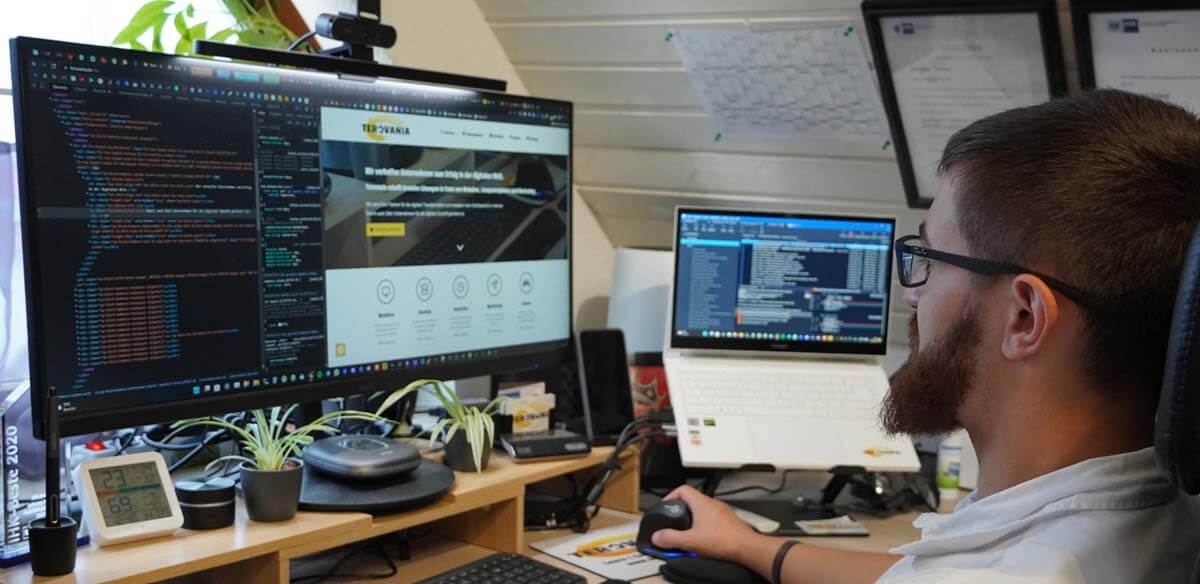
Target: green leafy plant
257 25
478 425
266 440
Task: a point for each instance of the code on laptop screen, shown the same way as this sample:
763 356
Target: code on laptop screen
782 279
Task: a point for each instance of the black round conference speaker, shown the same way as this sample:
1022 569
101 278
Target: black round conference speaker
361 457
422 486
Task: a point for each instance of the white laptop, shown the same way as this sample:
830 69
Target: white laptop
777 325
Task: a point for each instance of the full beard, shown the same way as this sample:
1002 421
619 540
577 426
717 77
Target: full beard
928 391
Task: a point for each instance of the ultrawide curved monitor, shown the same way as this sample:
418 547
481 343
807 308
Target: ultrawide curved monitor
204 236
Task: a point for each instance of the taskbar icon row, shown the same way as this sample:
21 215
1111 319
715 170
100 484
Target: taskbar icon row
760 336
317 375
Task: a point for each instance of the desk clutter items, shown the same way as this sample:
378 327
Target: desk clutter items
529 407
271 468
52 539
538 446
526 415
359 457
372 474
467 431
127 498
207 503
610 552
421 486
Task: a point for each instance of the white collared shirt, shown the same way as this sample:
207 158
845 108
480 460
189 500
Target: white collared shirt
1113 519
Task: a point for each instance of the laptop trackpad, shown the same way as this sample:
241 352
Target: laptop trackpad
795 440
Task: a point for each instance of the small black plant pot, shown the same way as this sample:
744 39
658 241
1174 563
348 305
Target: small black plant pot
272 495
459 457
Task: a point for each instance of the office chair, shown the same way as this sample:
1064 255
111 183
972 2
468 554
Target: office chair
1177 426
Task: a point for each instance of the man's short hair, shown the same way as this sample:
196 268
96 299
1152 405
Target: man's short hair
1101 190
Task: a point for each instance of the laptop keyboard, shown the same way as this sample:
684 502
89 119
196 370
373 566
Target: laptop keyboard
746 392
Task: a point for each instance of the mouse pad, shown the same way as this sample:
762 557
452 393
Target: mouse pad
706 571
610 552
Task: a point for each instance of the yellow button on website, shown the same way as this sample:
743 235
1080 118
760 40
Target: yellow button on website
385 230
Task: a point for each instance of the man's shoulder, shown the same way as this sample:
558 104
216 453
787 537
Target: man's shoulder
1066 545
981 576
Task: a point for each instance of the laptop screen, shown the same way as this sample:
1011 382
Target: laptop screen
781 282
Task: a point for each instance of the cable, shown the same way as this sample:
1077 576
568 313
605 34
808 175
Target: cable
308 35
204 444
579 519
769 490
152 443
576 514
132 436
331 574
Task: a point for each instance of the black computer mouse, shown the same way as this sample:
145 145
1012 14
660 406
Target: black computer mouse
663 515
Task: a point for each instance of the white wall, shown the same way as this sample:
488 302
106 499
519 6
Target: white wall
643 142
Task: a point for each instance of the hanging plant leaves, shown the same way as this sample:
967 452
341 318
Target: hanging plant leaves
142 20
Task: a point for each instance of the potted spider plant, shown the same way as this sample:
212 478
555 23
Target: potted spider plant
257 23
467 432
271 468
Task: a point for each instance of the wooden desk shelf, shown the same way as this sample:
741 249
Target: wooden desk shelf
485 510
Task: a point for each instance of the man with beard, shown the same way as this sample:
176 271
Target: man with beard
1043 281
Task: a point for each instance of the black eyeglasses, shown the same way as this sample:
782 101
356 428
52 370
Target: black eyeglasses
913 259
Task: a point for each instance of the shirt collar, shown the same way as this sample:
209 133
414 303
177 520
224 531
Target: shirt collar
1121 481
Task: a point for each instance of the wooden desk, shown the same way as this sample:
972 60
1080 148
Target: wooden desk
885 535
485 510
434 555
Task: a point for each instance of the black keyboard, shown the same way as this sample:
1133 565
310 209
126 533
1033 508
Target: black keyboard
506 569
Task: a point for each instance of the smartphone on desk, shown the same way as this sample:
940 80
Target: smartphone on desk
604 384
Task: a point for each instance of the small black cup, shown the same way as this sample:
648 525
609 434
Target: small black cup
52 548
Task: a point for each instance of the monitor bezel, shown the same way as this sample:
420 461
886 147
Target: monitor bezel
1081 26
534 356
676 341
874 10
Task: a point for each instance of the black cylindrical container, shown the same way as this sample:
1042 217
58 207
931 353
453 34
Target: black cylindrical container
52 547
208 503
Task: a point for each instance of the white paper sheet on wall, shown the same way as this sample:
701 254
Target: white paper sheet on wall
803 81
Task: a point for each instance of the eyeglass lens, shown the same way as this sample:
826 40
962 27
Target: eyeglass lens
916 268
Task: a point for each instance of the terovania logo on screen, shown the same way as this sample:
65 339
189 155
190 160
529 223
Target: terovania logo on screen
377 128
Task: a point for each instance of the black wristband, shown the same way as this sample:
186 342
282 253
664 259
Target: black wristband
777 565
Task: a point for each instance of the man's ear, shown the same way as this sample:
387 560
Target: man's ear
1031 318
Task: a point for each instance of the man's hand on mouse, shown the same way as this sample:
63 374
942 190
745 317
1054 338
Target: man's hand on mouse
716 531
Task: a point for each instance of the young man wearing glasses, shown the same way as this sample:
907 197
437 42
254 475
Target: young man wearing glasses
1043 281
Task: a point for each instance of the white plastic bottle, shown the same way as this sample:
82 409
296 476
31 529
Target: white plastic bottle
948 461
